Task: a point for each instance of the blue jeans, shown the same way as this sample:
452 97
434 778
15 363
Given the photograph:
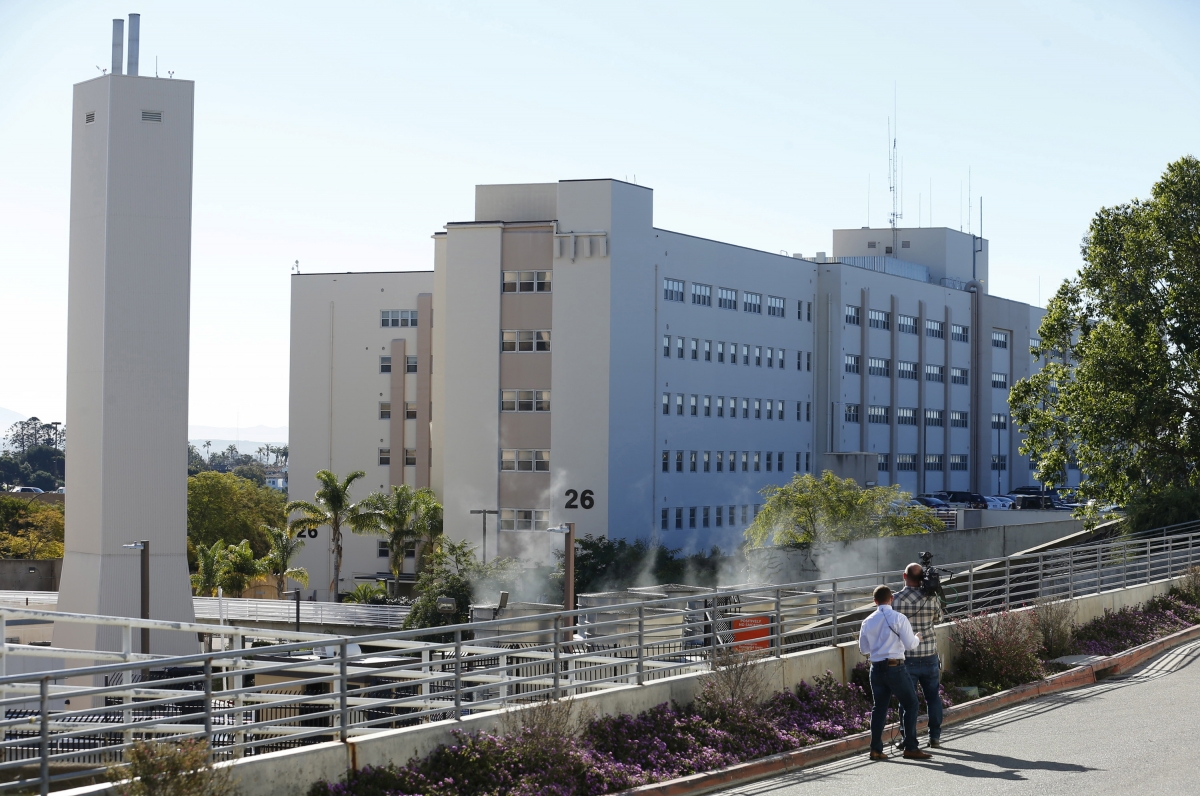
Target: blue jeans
886 681
926 670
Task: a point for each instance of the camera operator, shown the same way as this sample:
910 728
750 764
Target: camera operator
923 609
884 637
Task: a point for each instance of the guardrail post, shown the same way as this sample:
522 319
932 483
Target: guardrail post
1070 573
778 623
1124 566
971 589
343 702
239 701
208 705
44 743
1007 583
835 602
1170 558
641 645
458 674
557 629
1041 574
1148 573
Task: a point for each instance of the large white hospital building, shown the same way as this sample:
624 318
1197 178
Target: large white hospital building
566 360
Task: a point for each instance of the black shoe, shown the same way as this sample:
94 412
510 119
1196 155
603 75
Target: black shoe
935 744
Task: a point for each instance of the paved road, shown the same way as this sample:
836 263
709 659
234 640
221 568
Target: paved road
1136 734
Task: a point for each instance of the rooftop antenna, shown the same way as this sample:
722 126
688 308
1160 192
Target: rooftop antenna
970 206
893 174
103 71
297 266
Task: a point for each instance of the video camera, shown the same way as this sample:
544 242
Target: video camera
931 577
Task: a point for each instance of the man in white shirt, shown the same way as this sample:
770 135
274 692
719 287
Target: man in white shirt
884 637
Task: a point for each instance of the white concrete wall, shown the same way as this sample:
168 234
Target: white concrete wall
127 355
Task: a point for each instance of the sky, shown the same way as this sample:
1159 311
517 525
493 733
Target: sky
344 135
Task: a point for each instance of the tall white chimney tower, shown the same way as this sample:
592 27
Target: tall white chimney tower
127 352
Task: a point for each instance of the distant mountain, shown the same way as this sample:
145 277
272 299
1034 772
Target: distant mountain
8 417
276 435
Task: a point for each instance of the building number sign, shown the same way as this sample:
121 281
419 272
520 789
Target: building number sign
584 498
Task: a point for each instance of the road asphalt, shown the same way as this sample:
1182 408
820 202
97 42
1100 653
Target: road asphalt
1134 734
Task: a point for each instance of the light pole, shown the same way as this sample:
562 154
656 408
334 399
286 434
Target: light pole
297 593
568 530
144 546
484 515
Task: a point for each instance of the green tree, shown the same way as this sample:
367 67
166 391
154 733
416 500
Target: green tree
252 471
452 570
208 568
284 546
333 507
809 509
364 593
225 507
238 567
403 516
1119 387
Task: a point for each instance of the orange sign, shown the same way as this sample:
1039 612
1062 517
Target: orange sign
752 632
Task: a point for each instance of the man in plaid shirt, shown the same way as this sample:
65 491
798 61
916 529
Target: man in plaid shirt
922 662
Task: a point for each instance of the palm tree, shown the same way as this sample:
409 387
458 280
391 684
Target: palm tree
284 546
364 593
331 506
238 567
208 560
427 519
390 516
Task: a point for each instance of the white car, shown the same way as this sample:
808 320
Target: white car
33 489
998 502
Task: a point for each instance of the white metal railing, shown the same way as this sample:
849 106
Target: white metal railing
304 688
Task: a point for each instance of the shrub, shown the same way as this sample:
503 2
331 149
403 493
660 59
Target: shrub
1188 587
1055 623
171 769
1133 626
999 650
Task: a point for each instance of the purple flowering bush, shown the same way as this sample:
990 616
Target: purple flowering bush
1132 626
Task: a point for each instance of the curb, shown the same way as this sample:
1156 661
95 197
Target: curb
827 751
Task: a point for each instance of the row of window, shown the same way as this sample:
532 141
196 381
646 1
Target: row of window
702 406
410 456
410 550
526 281
880 319
524 519
410 364
907 416
877 366
525 461
752 461
397 317
704 350
525 340
727 299
385 410
706 514
935 462
524 400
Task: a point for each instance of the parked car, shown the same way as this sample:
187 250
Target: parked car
62 490
33 489
962 500
1002 502
931 501
1042 502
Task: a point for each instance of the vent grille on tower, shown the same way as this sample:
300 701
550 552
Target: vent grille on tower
151 116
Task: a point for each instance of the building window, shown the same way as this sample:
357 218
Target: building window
752 302
999 462
871 244
959 419
852 413
707 461
808 311
666 461
726 298
808 360
779 358
692 462
720 461
385 410
906 324
666 403
934 417
808 461
933 462
852 363
799 360
879 367
906 416
1000 381
879 414
854 315
679 518
775 306
960 376
693 404
732 461
708 350
527 281
720 406
771 461
410 457
958 462
758 461
382 551
1035 346
702 295
960 334
679 347
745 355
878 319
692 517
770 414
906 462
525 461
385 455
679 461
808 411
935 373
524 519
758 409
999 339
770 357
524 400
745 461
410 364
999 421
665 515
385 364
708 406
935 329
884 463
397 317
679 404
695 350
410 411
704 517
720 514
745 409
667 346
672 290
758 356
779 409
524 340
906 370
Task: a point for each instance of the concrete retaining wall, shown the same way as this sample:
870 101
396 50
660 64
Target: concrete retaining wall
21 574
293 771
891 553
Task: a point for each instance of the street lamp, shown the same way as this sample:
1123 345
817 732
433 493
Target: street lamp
484 513
297 593
568 530
144 547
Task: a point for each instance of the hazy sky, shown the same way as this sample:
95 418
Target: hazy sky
344 135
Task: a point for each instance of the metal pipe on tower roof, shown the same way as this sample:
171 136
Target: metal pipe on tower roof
118 45
135 26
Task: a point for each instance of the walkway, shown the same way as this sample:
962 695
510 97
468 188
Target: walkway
1130 734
